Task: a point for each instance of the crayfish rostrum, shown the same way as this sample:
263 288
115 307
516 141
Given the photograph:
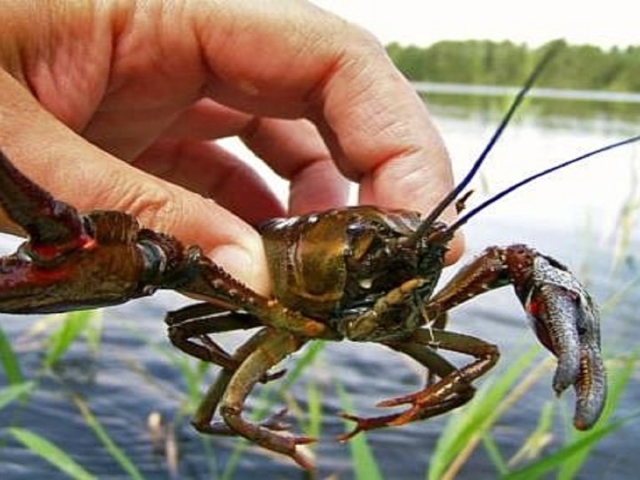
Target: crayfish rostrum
364 274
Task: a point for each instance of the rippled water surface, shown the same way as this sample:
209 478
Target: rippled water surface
576 215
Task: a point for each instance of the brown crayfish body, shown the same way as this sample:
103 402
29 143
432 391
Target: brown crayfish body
334 265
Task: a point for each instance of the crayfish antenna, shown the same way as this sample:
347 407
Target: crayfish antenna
48 222
451 197
461 203
462 220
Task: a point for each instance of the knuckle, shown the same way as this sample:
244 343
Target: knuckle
155 208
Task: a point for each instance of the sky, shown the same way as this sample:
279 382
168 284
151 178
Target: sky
423 22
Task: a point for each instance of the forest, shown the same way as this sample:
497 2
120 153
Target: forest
581 67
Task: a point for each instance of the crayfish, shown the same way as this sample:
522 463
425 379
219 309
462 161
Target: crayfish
364 274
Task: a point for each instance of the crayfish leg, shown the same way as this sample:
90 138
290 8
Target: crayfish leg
453 389
229 393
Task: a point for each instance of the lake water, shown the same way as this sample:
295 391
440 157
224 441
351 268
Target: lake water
575 215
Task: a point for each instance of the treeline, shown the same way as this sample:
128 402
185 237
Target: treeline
582 67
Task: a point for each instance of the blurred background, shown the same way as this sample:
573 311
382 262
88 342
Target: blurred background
102 394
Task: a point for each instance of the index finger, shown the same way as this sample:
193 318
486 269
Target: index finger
293 60
387 139
339 76
383 132
316 65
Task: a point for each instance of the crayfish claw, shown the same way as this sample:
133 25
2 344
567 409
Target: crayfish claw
304 457
53 226
591 389
359 427
300 453
564 340
567 322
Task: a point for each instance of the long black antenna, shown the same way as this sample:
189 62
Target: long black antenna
451 196
462 220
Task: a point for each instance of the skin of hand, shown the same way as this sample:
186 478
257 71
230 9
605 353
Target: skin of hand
115 105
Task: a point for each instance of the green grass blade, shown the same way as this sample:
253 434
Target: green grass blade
618 379
306 358
13 392
234 459
364 463
467 425
538 440
545 465
119 456
72 325
314 402
193 374
9 361
494 453
94 330
49 452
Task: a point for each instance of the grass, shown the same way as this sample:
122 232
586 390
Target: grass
43 448
467 430
547 451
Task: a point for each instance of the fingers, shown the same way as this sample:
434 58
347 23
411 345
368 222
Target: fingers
375 126
294 149
211 171
77 172
283 59
395 153
322 68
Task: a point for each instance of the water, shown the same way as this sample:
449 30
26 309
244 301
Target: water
573 215
548 93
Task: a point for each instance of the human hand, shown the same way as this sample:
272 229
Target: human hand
113 105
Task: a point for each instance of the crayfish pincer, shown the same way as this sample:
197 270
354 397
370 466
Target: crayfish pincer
364 274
